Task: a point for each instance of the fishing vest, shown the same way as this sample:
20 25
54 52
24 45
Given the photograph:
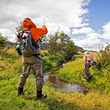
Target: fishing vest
27 45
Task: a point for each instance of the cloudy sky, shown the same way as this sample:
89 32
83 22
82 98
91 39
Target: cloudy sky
86 21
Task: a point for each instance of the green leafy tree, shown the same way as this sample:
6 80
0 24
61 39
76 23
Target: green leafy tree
2 41
60 42
61 47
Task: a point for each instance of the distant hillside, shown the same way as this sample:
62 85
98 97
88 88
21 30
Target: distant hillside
79 49
10 44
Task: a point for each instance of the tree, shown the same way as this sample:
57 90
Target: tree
61 45
107 48
2 41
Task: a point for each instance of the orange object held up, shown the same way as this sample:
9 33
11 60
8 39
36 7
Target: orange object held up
37 33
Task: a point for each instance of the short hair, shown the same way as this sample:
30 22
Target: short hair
27 19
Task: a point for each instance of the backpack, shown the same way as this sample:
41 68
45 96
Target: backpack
26 46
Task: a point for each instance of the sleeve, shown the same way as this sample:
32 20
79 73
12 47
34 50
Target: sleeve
18 48
38 33
44 29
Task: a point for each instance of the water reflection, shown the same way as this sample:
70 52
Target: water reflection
64 86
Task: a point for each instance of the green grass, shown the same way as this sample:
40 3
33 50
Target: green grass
72 72
96 99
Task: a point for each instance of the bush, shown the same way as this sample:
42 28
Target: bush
103 58
2 41
60 44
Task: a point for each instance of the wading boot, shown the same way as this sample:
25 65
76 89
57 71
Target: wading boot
40 95
20 91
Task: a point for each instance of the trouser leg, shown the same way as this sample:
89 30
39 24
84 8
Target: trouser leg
23 77
39 79
39 76
87 73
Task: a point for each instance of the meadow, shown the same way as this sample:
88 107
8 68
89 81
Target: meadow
98 97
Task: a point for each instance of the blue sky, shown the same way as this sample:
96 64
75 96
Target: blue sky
90 19
98 20
98 13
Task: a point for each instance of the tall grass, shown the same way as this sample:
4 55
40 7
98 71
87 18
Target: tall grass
103 58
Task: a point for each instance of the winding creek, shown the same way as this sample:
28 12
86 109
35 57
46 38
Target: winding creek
64 86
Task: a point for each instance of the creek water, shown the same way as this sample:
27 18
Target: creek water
65 86
61 85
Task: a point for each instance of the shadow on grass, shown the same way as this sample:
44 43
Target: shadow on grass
54 104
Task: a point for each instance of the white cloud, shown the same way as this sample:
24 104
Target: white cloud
62 11
8 34
82 30
57 14
88 38
92 41
106 31
52 28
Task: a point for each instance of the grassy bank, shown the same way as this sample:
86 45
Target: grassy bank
72 72
96 99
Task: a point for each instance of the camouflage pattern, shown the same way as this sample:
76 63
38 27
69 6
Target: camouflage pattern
36 66
86 72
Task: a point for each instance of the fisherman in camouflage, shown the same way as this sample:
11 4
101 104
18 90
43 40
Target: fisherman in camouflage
88 61
28 47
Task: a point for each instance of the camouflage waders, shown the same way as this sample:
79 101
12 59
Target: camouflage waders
86 73
35 64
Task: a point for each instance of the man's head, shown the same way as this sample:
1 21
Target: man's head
27 19
27 24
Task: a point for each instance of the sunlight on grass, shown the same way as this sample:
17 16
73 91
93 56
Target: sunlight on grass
98 97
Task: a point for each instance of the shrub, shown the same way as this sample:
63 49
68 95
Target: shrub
103 58
2 41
